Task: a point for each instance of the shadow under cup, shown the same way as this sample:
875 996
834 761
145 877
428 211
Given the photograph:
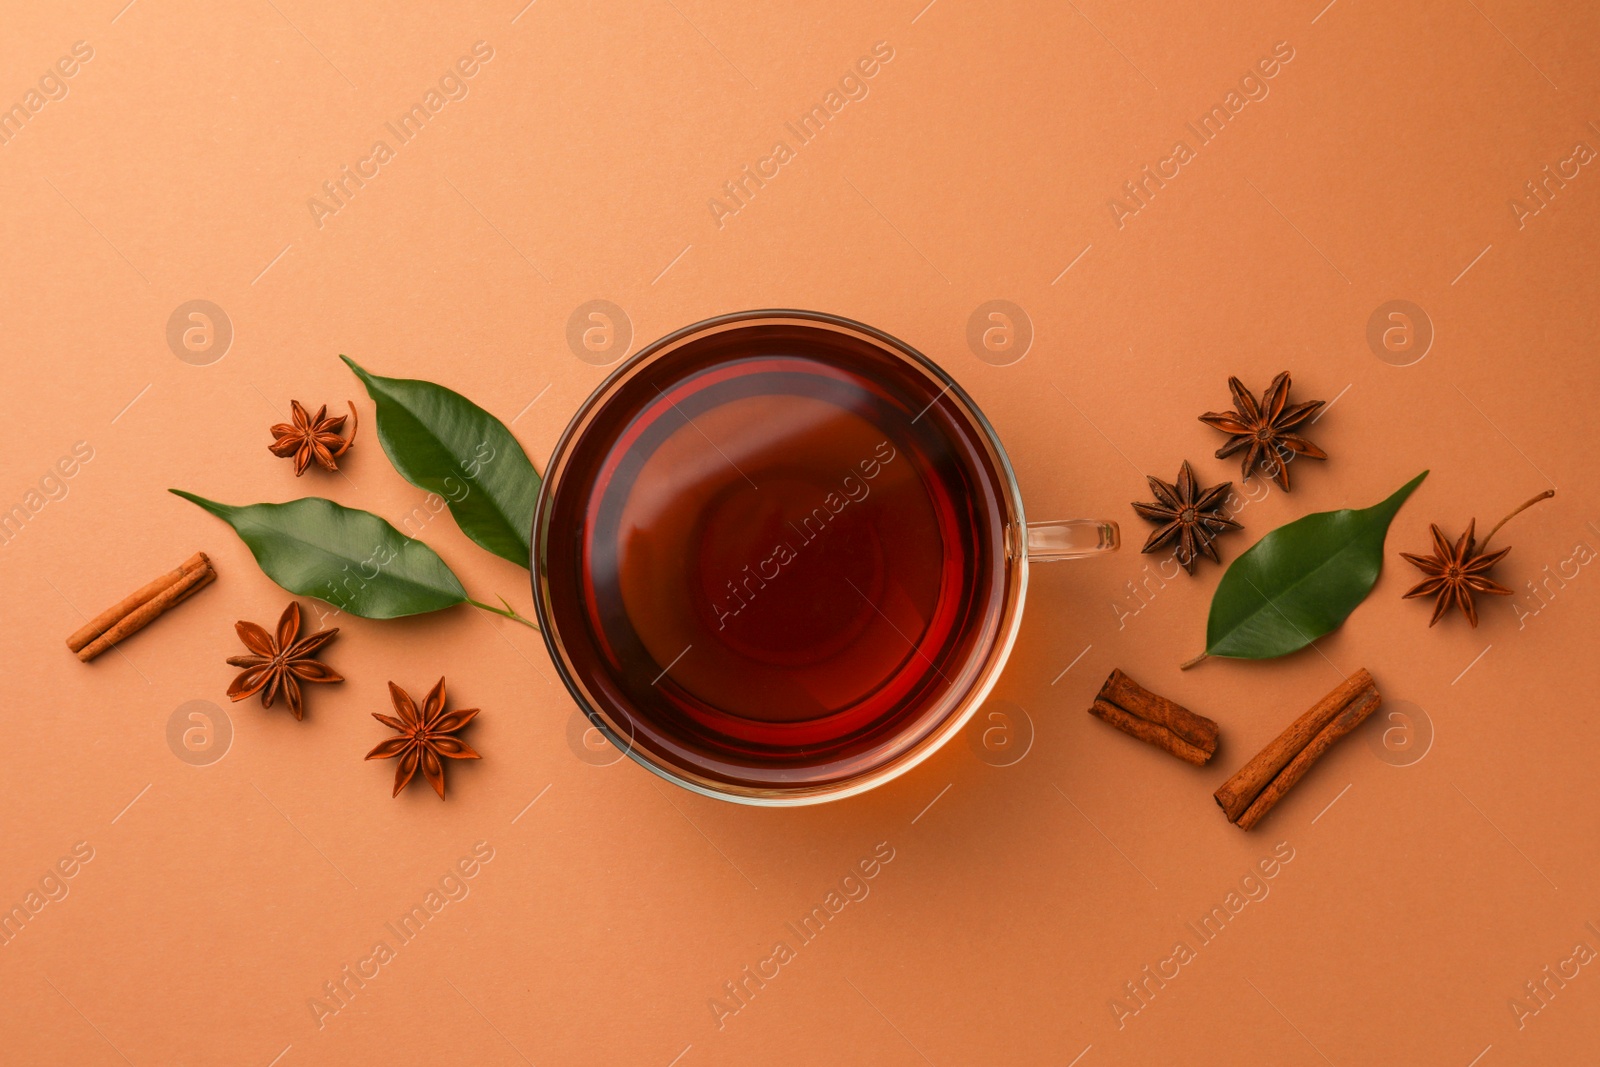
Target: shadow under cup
777 557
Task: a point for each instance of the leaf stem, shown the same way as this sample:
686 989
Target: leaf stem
1547 494
508 612
1186 664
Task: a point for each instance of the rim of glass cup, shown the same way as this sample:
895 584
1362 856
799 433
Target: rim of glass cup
1014 548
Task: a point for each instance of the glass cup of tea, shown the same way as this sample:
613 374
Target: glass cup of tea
780 557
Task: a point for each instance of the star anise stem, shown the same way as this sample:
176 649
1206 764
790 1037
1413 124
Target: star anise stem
1518 510
354 423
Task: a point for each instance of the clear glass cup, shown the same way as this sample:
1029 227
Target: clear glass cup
780 557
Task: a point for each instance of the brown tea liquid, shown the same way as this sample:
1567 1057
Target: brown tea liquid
791 559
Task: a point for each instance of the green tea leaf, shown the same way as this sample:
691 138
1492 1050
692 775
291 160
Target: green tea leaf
352 559
1300 581
442 442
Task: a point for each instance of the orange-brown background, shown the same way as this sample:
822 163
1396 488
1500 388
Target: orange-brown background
979 167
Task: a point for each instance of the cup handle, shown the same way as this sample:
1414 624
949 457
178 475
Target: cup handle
1069 539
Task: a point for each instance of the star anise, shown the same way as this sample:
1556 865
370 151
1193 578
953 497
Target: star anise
312 437
1456 571
1187 514
1263 429
281 662
424 737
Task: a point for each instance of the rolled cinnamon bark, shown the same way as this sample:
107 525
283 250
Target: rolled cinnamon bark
1150 733
1124 692
1237 792
121 609
1154 719
1261 783
1351 716
133 612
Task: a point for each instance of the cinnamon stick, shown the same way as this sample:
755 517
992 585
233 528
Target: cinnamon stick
134 611
1154 719
116 612
1276 768
1353 715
